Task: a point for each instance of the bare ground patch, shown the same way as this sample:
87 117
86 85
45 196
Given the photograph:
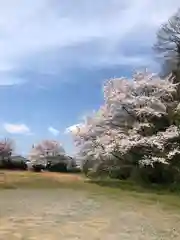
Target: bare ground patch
72 214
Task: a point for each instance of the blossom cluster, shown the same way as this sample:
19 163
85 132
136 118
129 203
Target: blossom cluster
134 120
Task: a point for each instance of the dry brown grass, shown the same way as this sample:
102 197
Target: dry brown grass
64 177
65 206
19 179
68 214
19 176
50 180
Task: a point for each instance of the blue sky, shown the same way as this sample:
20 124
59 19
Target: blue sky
55 55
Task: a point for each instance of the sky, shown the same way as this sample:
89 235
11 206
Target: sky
56 54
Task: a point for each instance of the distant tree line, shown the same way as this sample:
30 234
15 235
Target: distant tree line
48 155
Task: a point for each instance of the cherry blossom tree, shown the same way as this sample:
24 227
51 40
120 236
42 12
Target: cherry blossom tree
47 153
6 149
49 148
136 127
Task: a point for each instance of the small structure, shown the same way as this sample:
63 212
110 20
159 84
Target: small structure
36 161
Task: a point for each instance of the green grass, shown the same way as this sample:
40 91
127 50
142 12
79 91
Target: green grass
115 189
168 197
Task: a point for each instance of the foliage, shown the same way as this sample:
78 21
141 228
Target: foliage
14 165
57 167
135 130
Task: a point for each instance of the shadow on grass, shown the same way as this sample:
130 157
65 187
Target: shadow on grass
167 196
137 187
7 186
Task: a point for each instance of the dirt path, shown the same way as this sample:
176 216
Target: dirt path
68 214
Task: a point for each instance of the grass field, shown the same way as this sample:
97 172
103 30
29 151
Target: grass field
66 206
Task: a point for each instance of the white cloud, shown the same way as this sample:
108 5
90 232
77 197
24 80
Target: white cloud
33 28
54 131
72 129
16 128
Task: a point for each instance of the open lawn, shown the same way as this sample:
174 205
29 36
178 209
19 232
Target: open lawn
65 206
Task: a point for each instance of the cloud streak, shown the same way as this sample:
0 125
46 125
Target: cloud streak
72 129
53 131
45 30
17 128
